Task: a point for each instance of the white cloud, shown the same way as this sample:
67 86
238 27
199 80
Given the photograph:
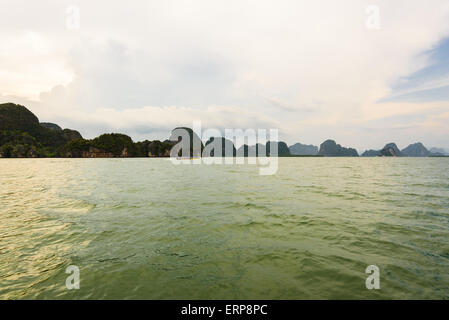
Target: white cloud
308 67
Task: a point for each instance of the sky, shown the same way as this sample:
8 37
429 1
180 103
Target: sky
364 73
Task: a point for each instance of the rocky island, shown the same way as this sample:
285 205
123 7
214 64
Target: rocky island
23 136
413 150
330 148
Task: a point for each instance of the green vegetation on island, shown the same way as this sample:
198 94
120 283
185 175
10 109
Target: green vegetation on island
330 148
23 136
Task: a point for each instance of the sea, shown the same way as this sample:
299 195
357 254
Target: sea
150 229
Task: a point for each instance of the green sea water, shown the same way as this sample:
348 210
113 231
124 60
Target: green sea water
148 229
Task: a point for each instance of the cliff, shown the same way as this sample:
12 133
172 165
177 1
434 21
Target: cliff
299 149
330 148
416 150
51 126
21 134
264 150
390 150
195 146
282 148
371 153
219 147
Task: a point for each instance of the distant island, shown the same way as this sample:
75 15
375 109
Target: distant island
413 150
23 136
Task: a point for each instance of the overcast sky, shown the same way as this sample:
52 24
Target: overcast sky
364 73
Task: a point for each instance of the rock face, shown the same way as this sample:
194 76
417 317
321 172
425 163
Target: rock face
21 134
51 126
416 150
96 153
195 144
260 150
154 149
17 117
371 153
330 148
219 147
299 149
69 134
119 145
390 150
283 150
116 145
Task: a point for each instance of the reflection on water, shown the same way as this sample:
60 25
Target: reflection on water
145 228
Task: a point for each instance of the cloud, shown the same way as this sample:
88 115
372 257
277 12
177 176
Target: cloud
311 68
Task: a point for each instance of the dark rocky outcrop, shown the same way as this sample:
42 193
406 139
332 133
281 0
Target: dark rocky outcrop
330 148
371 153
51 126
260 150
282 149
119 145
416 150
21 134
69 134
195 144
154 149
390 150
219 147
17 117
96 153
116 145
299 149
